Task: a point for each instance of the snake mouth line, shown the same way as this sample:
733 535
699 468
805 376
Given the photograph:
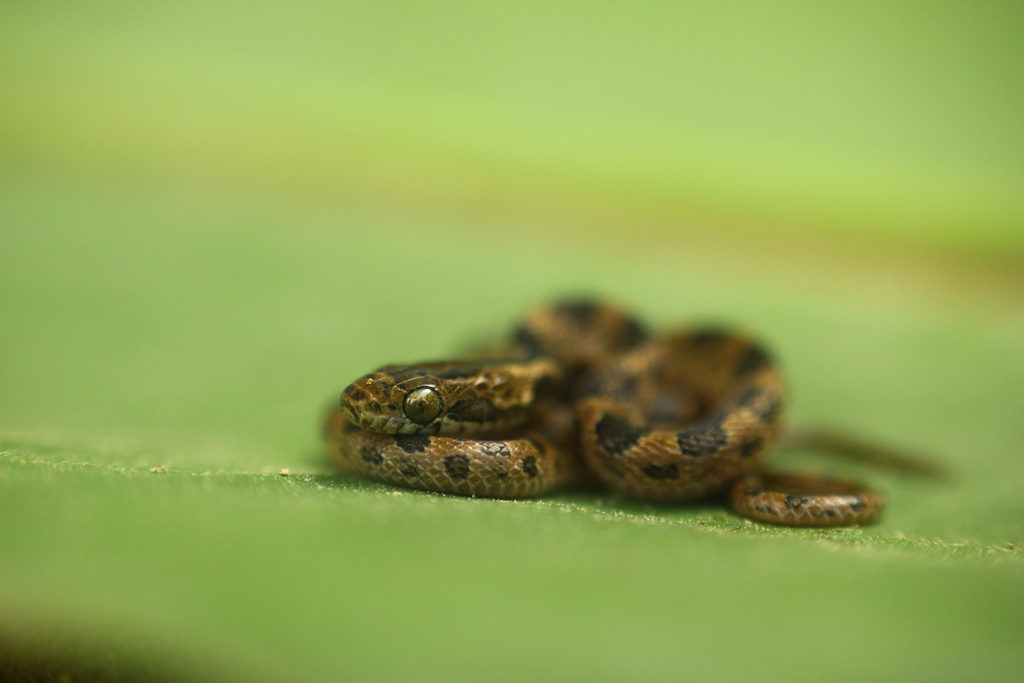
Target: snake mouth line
374 423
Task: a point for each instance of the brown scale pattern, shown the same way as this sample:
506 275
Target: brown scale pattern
777 498
740 408
668 418
492 468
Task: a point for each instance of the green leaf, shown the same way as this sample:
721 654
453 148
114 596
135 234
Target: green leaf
214 218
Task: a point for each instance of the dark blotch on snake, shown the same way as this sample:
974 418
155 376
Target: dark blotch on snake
794 502
370 454
752 447
495 449
633 334
413 443
752 360
579 312
710 335
538 445
530 465
529 342
706 438
472 410
670 471
459 371
457 466
616 435
408 467
544 386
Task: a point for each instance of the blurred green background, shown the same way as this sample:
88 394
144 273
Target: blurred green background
214 215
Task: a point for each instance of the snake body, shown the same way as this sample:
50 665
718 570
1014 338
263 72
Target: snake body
584 390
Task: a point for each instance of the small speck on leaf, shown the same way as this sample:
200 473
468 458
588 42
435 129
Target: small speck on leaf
159 469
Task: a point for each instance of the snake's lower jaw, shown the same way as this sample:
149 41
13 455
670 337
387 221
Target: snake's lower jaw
382 424
362 421
349 412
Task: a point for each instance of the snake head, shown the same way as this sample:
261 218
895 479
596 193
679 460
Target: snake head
381 403
448 397
424 398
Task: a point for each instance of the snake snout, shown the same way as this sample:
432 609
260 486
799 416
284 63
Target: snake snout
365 413
351 408
346 407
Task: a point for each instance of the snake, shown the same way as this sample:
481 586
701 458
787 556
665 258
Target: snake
583 391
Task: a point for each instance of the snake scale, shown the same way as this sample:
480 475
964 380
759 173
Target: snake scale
581 391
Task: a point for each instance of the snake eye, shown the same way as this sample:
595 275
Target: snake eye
422 404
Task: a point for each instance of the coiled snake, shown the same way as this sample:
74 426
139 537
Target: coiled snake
583 390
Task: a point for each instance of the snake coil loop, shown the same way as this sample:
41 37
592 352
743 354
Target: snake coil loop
583 390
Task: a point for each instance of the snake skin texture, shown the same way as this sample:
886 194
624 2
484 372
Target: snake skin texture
777 498
581 391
